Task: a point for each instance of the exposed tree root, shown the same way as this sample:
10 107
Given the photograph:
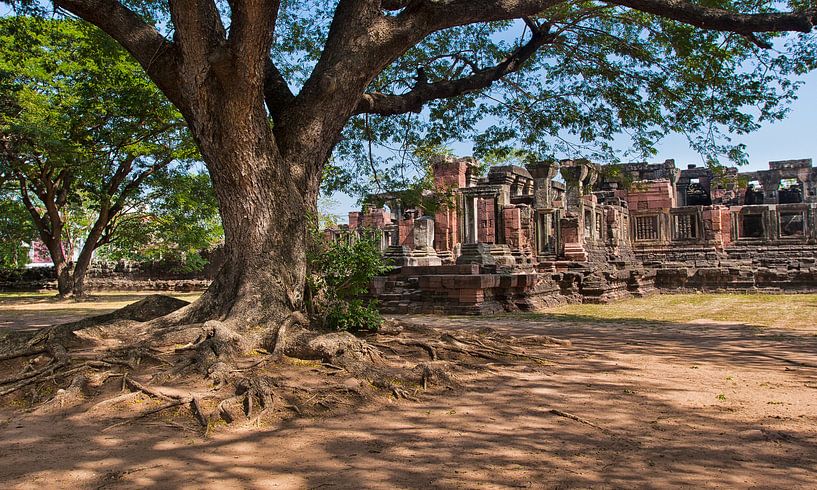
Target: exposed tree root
172 404
219 371
578 419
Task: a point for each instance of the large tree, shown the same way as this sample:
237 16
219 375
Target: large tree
267 88
82 134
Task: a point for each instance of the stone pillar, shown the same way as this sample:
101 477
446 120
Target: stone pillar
470 226
424 253
446 233
579 176
574 176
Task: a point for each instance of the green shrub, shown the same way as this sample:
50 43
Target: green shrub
339 276
354 316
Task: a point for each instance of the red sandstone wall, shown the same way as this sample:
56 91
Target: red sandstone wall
726 226
354 220
449 174
650 195
511 217
446 231
406 231
375 218
485 227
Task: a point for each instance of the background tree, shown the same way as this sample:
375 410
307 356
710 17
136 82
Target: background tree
178 223
267 88
82 132
16 230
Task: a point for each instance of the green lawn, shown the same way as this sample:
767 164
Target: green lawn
38 309
764 310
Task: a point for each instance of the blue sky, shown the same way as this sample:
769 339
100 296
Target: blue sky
791 138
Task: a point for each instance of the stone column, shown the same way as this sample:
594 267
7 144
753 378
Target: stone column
574 175
470 223
424 253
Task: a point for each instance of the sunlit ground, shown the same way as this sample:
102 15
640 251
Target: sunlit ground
763 310
38 309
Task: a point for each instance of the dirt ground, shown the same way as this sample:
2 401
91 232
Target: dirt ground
704 403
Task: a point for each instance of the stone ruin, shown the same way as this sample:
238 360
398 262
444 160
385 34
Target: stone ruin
573 231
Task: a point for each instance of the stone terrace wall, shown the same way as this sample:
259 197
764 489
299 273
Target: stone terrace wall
104 277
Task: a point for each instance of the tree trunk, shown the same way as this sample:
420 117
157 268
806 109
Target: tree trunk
87 252
266 202
80 271
265 218
266 194
62 269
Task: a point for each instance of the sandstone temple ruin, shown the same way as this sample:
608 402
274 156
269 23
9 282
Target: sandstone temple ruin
524 238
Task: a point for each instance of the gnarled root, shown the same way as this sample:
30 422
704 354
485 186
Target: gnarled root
235 373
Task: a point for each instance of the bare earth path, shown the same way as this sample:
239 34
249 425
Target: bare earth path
700 404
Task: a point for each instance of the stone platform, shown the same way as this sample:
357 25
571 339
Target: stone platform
477 290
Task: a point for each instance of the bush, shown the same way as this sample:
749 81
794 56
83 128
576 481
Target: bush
354 316
339 276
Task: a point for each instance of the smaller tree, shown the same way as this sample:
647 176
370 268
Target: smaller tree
179 222
82 132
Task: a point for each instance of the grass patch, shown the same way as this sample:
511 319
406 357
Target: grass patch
760 310
37 309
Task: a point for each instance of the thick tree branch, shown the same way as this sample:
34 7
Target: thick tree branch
277 93
200 34
153 51
395 4
413 101
39 220
136 182
122 171
352 56
64 181
724 20
252 26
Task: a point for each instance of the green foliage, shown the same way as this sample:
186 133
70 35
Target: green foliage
182 220
15 230
92 138
340 273
76 100
326 219
616 172
353 316
612 76
419 191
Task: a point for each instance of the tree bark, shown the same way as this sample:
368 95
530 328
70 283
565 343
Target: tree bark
265 200
265 214
62 268
82 264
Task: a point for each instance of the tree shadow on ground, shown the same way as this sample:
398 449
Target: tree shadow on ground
702 405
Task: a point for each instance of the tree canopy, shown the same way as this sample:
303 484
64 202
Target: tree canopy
83 132
588 73
179 222
544 79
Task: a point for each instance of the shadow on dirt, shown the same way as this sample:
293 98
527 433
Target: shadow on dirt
648 388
